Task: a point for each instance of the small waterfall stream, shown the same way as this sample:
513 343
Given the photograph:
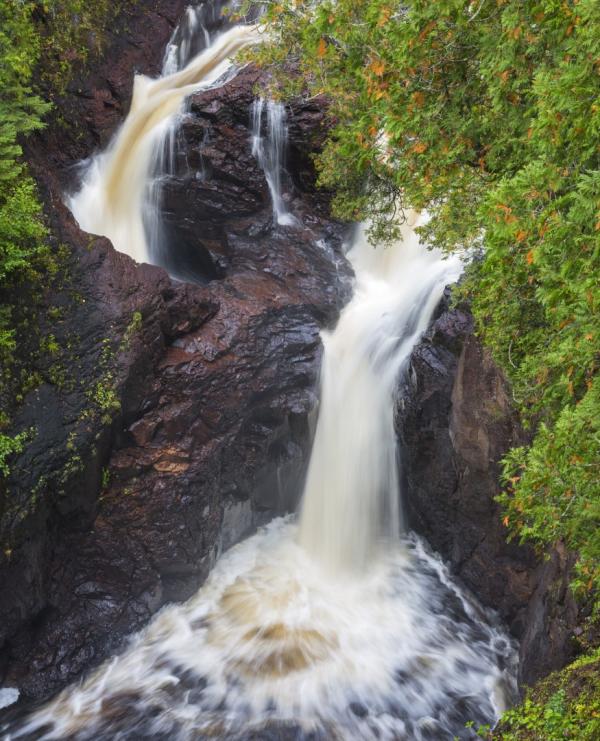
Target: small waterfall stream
269 150
338 625
117 198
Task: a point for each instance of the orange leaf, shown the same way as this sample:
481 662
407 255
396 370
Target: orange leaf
419 147
425 32
378 67
529 256
322 48
505 521
419 98
384 17
521 234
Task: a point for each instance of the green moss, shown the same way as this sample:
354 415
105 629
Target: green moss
9 446
132 328
565 705
104 396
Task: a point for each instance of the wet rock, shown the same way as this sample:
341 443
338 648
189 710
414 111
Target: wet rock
209 385
358 709
455 421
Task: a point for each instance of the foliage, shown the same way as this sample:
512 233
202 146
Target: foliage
565 705
21 227
40 43
9 446
485 113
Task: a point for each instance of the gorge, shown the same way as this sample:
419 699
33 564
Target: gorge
343 623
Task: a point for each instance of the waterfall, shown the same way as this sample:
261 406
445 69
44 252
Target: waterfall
340 624
269 150
351 499
186 42
117 198
339 627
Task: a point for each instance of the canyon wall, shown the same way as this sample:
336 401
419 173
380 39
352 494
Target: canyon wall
455 421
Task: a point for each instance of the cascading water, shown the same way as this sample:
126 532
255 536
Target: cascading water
352 478
186 40
337 628
118 198
269 150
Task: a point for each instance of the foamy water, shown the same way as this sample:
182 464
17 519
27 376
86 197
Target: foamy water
271 641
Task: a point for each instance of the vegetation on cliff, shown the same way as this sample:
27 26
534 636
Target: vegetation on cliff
565 705
487 114
40 43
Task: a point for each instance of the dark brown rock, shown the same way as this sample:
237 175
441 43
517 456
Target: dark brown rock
184 406
456 420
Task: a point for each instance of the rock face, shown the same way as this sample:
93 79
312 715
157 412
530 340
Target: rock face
97 99
181 406
455 421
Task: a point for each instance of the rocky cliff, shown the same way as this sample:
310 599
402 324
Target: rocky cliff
170 413
455 421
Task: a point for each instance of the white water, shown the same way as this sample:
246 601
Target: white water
116 199
190 32
270 641
352 491
269 150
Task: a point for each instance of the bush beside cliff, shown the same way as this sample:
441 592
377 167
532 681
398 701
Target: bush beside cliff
41 43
